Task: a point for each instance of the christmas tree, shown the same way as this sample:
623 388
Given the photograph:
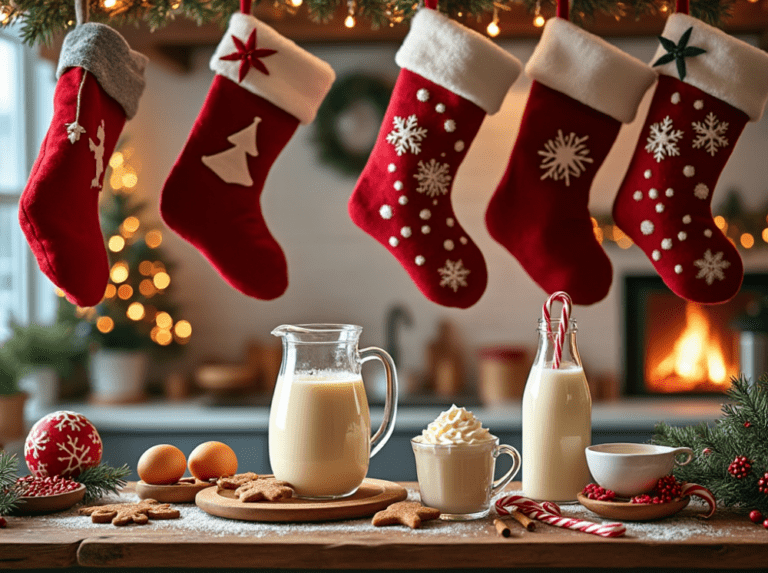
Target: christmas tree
137 310
731 456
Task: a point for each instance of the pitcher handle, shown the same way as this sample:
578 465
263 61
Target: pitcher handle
390 406
513 453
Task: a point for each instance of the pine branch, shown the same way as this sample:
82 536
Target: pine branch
102 480
9 495
41 21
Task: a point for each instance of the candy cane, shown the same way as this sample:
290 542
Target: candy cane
564 320
549 512
703 493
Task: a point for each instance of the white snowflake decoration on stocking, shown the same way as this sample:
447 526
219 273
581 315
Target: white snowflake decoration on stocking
453 275
407 135
433 178
564 157
74 454
663 140
711 134
711 267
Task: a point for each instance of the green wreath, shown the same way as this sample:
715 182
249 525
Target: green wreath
348 121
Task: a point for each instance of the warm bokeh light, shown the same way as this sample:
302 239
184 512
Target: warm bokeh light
163 337
4 16
162 280
296 3
109 3
61 294
349 21
105 324
147 288
116 243
157 267
539 21
115 181
164 320
183 329
720 223
119 272
110 291
125 292
131 224
130 180
145 268
747 240
116 160
135 311
153 239
493 29
765 234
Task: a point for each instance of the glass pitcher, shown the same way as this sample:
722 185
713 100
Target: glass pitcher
319 424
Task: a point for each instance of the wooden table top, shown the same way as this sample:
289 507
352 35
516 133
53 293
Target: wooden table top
728 540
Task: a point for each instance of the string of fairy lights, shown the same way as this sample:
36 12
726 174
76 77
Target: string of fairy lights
153 277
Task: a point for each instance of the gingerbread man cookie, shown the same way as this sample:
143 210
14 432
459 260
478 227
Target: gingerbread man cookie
268 489
410 513
125 513
235 481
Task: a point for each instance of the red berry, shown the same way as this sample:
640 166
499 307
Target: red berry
756 516
3 523
740 467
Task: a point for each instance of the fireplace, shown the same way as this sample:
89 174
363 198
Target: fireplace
673 346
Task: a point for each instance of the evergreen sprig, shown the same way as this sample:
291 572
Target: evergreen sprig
742 431
9 495
102 480
41 21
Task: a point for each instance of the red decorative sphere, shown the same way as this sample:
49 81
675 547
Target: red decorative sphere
762 484
755 516
62 444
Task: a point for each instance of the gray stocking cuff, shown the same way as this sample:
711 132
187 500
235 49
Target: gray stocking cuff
105 53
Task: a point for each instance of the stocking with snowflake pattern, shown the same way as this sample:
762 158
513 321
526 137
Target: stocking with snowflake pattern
710 85
265 85
583 89
100 81
451 77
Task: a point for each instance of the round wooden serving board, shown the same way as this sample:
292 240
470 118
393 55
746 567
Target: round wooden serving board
372 496
33 505
625 511
176 493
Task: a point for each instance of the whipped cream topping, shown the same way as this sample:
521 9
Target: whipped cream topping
454 427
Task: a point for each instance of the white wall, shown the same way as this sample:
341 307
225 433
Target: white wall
338 273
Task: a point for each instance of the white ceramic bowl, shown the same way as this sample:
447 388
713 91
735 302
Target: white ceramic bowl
631 469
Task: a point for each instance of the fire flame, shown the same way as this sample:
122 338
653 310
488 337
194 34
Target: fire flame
697 358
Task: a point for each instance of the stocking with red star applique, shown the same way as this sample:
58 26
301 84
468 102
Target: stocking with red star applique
451 78
100 81
583 89
710 85
265 86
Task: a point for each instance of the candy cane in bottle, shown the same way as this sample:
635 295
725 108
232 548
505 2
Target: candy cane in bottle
557 411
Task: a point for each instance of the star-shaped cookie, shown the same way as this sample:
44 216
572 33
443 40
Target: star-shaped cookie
125 513
268 489
410 513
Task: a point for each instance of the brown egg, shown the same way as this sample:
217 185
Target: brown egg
163 464
212 460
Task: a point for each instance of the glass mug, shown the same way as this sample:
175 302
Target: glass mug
319 423
458 479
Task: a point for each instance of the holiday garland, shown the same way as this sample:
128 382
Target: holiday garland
40 21
731 456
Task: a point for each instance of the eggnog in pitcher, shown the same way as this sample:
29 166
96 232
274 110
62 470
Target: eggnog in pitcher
557 427
320 433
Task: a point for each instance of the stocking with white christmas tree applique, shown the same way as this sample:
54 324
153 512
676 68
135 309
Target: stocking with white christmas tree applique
451 77
583 89
100 81
710 85
265 86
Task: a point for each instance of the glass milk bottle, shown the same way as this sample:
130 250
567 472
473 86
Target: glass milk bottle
557 420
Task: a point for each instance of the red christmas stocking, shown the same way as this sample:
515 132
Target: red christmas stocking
265 85
451 78
583 89
99 86
710 85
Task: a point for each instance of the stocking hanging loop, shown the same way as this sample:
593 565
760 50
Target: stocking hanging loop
562 9
431 4
245 6
81 11
681 6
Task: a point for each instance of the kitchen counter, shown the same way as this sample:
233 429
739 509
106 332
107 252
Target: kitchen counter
197 540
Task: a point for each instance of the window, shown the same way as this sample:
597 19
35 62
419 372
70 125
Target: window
26 106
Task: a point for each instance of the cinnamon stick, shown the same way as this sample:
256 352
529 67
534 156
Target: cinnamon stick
504 530
523 520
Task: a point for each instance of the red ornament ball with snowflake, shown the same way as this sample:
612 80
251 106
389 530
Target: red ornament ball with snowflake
62 444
